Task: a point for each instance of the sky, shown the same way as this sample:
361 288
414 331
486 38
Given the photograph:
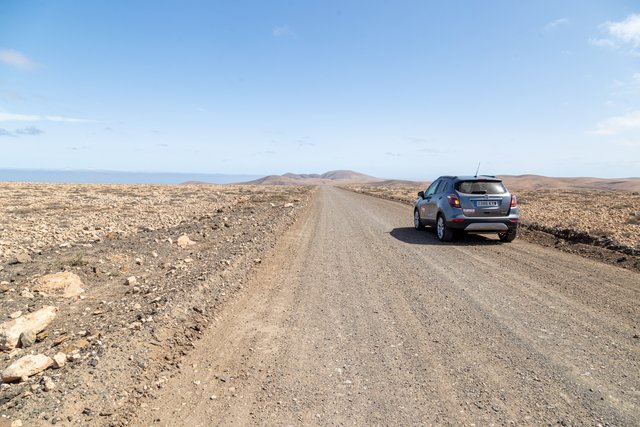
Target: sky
402 89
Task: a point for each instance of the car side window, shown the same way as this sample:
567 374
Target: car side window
432 188
441 187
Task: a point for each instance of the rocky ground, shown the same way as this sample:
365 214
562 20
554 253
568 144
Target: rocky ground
145 269
599 224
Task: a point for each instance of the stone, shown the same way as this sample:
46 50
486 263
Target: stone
184 241
65 283
26 366
48 383
76 346
288 205
23 258
132 281
15 314
59 360
27 338
37 321
26 294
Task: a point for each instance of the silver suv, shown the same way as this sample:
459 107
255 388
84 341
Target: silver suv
459 204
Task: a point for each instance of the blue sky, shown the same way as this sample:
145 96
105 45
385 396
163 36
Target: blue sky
406 89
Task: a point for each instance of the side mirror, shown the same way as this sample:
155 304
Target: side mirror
421 194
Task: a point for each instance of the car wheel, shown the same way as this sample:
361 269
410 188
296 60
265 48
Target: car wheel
417 222
442 231
508 236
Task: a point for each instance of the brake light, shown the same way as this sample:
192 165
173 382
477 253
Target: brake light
454 202
514 201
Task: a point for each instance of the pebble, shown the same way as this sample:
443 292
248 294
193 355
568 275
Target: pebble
59 360
27 338
48 383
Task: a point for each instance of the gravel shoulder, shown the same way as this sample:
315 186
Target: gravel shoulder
356 318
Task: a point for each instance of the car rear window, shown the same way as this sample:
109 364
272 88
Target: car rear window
481 187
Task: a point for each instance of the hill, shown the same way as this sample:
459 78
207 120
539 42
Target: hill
538 182
342 177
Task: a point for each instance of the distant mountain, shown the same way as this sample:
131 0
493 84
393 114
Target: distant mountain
342 177
538 182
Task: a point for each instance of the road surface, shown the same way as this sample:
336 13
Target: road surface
357 319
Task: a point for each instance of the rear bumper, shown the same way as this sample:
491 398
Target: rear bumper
480 225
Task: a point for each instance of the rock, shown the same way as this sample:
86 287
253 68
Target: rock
37 321
288 205
66 283
15 314
184 241
48 383
26 294
154 254
22 258
27 338
132 281
76 346
25 367
59 360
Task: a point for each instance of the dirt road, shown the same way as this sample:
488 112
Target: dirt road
357 319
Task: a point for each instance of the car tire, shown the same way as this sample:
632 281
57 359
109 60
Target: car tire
417 221
508 236
444 233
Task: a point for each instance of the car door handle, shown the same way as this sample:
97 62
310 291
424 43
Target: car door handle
440 198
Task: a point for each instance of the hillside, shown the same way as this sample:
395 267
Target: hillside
538 182
341 177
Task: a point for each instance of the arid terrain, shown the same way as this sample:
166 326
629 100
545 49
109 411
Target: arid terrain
123 337
243 305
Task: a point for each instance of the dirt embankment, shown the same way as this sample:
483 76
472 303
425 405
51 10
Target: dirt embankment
599 224
144 292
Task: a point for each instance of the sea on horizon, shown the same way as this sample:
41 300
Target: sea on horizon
115 177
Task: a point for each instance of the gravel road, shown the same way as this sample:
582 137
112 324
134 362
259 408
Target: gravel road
357 319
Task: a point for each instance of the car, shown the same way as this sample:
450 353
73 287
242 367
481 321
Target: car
456 205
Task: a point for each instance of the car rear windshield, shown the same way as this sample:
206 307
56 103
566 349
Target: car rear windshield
481 187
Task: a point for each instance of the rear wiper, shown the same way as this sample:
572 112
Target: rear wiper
479 192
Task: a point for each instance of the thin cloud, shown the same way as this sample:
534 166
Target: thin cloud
618 124
5 132
282 31
555 24
17 59
29 130
11 117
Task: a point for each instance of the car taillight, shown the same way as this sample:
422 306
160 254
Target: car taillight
514 201
454 202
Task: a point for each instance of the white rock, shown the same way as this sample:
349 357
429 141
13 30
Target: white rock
132 281
37 321
15 314
288 205
66 283
26 294
48 383
184 241
59 360
25 367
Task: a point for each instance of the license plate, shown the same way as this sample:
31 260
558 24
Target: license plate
486 203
